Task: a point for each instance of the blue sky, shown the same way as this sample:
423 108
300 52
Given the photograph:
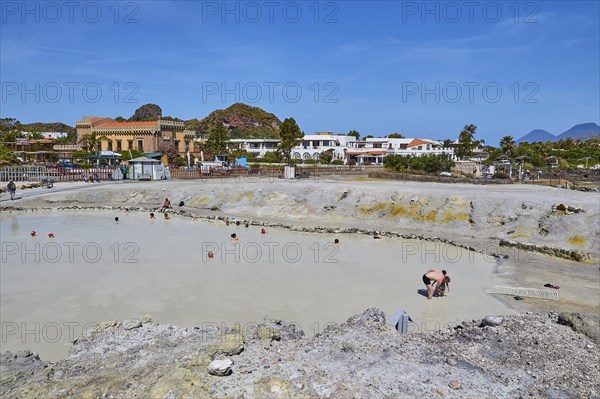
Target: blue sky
420 69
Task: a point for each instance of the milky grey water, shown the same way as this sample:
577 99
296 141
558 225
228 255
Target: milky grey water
96 269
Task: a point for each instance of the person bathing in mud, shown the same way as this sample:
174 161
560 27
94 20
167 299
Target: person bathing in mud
166 205
438 278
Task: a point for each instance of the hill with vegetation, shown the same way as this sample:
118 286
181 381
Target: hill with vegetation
241 121
147 112
38 127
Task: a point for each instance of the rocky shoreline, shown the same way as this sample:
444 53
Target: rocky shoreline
541 355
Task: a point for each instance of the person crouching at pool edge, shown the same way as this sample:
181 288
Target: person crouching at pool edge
441 288
438 278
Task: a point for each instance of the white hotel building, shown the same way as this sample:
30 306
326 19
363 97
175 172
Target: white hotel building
347 148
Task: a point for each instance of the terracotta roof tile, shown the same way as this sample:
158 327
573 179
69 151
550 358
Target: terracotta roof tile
416 142
117 125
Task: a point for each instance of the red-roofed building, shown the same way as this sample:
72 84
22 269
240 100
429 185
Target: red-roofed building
144 136
373 150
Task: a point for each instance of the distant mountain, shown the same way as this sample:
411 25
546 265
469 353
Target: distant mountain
535 136
241 121
582 132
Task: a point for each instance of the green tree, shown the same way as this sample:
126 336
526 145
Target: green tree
271 157
92 142
507 144
216 141
10 129
7 156
9 124
447 143
354 133
427 163
395 136
367 137
466 141
290 135
326 157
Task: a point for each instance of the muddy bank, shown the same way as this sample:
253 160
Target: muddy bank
532 355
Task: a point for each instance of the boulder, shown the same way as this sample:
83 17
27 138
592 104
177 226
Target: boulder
588 325
492 321
130 324
226 344
220 367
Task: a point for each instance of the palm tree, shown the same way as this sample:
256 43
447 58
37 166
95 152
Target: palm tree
89 141
92 142
507 144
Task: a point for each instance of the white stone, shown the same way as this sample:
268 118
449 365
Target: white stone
220 367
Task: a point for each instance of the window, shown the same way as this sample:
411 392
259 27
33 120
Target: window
130 144
176 144
140 145
110 146
119 146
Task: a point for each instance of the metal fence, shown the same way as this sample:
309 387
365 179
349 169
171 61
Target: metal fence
60 174
572 184
271 172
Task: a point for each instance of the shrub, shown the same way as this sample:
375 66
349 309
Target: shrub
426 163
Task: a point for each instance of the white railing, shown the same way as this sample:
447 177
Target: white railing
23 173
38 173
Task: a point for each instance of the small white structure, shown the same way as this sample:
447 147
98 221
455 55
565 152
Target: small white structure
289 172
144 168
